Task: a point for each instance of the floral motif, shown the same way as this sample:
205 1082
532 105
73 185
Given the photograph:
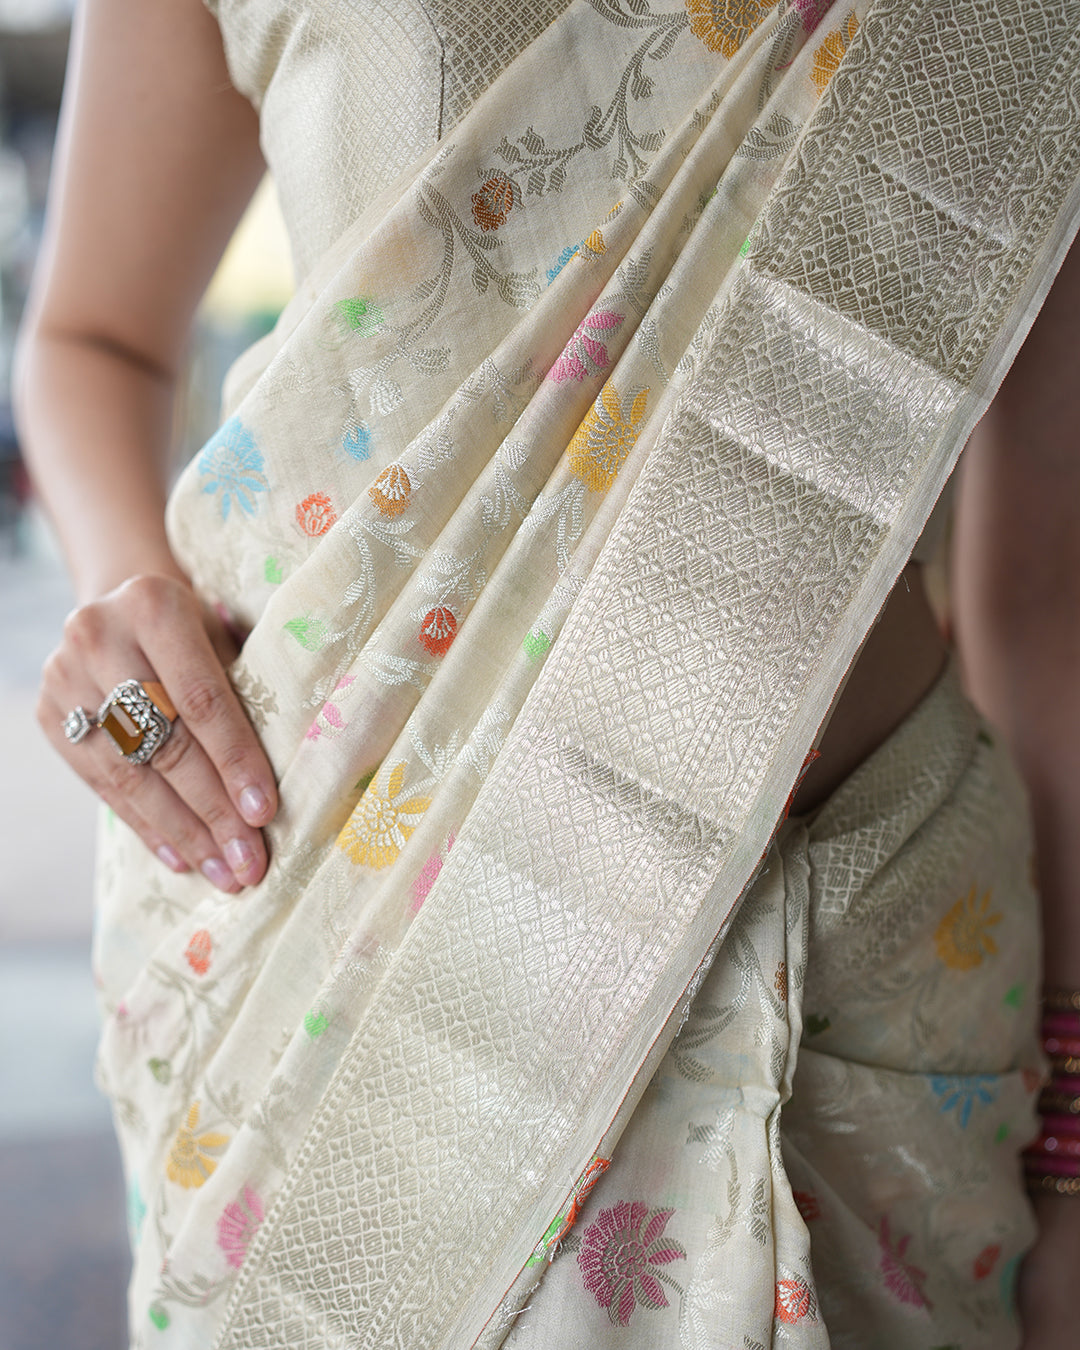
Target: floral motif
315 514
357 443
724 25
902 1279
191 1159
429 873
619 1255
494 202
438 630
986 1261
605 438
794 1300
961 1092
359 315
831 52
391 491
812 12
329 720
780 981
237 1225
198 951
231 464
379 826
806 1202
585 354
961 939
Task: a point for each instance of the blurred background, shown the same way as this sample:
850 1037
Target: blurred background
63 1243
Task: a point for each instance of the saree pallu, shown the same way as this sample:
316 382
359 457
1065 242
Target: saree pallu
558 503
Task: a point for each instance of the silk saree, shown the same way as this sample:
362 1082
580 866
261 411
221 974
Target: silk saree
557 505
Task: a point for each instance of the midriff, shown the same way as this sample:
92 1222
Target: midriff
900 661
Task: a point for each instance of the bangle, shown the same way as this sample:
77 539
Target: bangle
1055 1185
1061 1000
1053 1101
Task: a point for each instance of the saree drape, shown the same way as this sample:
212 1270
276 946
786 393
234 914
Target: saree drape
557 504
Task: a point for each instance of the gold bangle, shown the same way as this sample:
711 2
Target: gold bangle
1053 1185
1065 1064
1052 1102
1061 1000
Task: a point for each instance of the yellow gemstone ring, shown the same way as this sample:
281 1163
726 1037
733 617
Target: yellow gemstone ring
138 718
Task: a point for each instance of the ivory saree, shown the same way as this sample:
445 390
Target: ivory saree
558 503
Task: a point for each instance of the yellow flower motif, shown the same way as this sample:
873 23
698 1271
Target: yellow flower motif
724 25
605 438
376 832
961 938
190 1162
829 55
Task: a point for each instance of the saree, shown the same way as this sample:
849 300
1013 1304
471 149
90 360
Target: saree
557 505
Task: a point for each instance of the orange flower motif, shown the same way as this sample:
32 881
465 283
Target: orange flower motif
605 438
438 630
391 491
380 824
494 202
962 939
198 951
724 25
793 1300
190 1160
315 514
829 55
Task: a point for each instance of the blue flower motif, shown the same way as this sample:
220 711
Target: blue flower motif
231 464
962 1091
561 261
136 1212
357 444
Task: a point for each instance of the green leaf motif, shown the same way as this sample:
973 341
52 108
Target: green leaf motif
272 571
310 633
161 1069
158 1316
536 645
315 1024
362 317
1015 997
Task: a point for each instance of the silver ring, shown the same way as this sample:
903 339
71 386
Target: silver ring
137 723
77 724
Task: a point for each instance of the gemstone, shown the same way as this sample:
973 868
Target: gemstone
120 725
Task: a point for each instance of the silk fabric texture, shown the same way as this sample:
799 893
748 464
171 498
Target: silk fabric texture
557 503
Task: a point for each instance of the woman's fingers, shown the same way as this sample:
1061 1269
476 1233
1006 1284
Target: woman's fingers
209 786
175 643
143 800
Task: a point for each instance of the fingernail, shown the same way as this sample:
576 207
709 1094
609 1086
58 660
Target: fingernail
171 858
253 805
239 855
213 869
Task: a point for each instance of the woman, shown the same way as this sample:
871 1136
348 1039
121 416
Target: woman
551 516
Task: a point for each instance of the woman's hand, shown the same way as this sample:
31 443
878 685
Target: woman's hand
201 801
1047 1292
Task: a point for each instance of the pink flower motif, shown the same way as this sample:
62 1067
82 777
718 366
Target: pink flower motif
617 1253
585 353
429 873
901 1278
812 12
236 1226
329 718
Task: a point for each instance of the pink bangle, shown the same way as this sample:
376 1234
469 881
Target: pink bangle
1061 1126
1057 1146
1041 1165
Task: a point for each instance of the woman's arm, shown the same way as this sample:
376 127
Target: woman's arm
156 158
1017 592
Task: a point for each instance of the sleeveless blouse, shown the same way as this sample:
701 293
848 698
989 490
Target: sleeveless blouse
351 92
